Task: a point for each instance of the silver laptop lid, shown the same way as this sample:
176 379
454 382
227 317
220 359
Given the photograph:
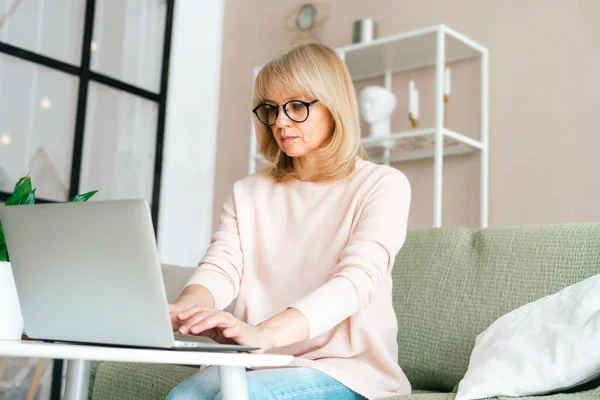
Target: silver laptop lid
88 272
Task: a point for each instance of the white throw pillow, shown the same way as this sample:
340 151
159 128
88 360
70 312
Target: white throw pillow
541 347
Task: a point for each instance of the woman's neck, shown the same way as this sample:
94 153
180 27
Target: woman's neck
307 170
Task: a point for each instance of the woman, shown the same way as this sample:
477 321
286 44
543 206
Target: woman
305 249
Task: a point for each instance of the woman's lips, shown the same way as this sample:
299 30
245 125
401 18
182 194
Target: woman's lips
287 139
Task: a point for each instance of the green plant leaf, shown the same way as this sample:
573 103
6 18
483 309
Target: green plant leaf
3 250
22 189
83 197
3 255
27 198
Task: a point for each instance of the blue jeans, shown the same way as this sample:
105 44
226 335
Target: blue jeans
268 384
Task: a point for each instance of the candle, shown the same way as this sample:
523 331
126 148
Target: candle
416 105
411 88
447 82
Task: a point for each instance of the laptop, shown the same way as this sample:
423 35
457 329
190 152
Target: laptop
89 273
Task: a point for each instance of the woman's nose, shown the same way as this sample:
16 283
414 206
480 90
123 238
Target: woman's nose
283 120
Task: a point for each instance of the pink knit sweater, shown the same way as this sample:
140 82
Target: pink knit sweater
326 249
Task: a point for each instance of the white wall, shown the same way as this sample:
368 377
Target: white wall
185 220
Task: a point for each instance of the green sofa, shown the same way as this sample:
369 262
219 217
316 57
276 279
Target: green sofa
450 284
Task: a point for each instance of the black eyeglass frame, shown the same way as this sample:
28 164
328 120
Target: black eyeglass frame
284 106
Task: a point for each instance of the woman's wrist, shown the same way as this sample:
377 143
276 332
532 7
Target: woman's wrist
195 295
272 336
286 328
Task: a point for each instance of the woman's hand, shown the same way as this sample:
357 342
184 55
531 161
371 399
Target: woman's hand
174 310
223 327
193 295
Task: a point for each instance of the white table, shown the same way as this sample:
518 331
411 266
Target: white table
232 370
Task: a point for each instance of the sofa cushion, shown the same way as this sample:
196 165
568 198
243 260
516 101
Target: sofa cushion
450 284
126 381
546 346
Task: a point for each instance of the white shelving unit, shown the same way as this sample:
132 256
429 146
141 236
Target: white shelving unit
434 46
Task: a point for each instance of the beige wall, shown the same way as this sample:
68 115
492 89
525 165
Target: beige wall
545 98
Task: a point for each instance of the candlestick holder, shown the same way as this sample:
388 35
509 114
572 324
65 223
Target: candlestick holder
414 122
446 101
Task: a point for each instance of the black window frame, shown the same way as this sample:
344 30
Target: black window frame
86 76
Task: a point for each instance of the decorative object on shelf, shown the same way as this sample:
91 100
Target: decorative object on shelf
447 84
413 104
10 311
304 19
446 95
363 30
376 107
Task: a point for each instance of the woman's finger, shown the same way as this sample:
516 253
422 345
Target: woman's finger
210 323
193 320
218 320
185 314
231 332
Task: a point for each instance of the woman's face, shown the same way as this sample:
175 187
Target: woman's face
300 139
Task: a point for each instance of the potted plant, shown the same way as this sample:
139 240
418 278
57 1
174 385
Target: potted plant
11 327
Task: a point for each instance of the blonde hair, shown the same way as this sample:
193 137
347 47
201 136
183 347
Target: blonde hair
314 71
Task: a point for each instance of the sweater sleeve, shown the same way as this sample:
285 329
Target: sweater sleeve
220 270
368 256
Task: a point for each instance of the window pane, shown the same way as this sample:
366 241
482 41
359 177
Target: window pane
51 28
128 41
119 144
37 120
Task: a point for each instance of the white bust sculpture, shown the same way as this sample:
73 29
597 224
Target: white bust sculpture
376 106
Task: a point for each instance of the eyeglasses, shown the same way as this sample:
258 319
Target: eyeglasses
296 110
